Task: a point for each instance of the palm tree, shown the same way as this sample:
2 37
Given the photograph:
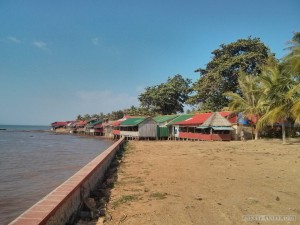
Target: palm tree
277 85
292 60
292 67
79 117
250 101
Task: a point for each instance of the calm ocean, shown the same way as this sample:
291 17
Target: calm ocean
33 163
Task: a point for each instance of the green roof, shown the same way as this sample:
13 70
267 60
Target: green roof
180 118
94 122
164 118
133 121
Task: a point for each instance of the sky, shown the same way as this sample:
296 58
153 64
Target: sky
59 59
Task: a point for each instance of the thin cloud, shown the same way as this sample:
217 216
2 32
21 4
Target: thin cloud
41 45
95 41
13 40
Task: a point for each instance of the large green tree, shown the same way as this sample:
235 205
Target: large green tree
166 98
222 72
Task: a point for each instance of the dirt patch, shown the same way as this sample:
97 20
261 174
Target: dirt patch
173 182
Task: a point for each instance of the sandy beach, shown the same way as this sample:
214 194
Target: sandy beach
180 182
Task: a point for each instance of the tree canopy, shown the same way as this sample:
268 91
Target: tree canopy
251 102
166 98
222 72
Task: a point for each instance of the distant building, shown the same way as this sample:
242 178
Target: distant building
136 128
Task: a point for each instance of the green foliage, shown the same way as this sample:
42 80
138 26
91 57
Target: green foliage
86 117
222 72
292 60
79 117
166 98
138 111
250 101
280 97
115 115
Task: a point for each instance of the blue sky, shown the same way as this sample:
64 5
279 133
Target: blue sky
59 59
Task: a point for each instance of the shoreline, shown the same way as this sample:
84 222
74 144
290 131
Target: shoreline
34 163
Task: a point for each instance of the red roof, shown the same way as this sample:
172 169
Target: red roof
199 118
55 124
231 116
99 125
81 123
195 120
253 118
117 123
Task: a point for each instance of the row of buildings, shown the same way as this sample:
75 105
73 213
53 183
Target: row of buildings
201 126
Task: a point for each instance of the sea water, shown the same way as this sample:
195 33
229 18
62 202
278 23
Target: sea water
33 162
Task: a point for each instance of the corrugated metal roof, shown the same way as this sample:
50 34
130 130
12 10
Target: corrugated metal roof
133 121
93 123
196 120
180 118
164 118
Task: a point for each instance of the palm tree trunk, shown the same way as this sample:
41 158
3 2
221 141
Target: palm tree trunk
256 134
283 133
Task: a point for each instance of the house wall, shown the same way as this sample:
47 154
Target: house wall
108 131
129 133
205 137
116 132
175 131
148 128
162 132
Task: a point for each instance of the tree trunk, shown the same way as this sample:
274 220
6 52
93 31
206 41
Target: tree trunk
256 134
283 133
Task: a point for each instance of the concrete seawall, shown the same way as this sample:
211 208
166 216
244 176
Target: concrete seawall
60 204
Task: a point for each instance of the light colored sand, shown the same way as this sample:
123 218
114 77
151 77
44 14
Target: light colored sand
168 182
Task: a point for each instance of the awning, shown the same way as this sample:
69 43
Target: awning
222 128
202 127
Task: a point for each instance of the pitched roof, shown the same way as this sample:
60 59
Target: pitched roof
196 120
95 122
117 123
81 123
133 121
180 118
164 118
231 116
216 120
56 124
